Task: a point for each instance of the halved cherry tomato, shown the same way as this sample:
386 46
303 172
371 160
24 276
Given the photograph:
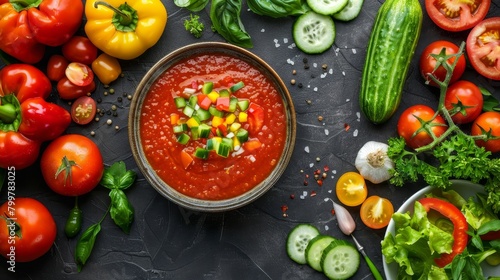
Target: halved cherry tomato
69 91
72 165
80 49
483 48
83 110
487 123
415 123
457 15
351 189
442 49
56 67
106 68
464 100
376 212
79 74
460 226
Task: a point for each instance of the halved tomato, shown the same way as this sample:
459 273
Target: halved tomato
79 74
83 110
457 15
376 212
483 48
351 189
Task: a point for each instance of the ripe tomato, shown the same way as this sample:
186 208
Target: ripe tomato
464 100
56 67
428 63
80 49
83 110
487 123
27 230
79 74
411 129
81 162
482 48
69 91
351 189
457 15
376 212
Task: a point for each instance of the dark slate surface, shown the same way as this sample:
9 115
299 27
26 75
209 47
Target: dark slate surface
167 242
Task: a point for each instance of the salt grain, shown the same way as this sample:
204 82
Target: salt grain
355 133
323 75
315 89
354 51
289 61
285 40
327 132
327 227
262 30
311 164
343 73
306 149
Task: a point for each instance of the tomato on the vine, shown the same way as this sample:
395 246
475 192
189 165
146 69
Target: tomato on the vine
80 49
444 50
27 226
72 165
415 123
56 67
69 91
79 74
376 212
464 101
482 48
351 189
457 15
488 123
83 110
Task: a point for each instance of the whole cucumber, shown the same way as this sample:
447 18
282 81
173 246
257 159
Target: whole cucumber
390 50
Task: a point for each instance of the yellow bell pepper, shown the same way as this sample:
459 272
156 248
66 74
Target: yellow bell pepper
125 30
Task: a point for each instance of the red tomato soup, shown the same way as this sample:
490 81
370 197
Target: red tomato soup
216 149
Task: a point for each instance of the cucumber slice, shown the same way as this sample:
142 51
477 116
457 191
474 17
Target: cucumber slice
313 33
327 7
314 250
297 241
350 11
340 260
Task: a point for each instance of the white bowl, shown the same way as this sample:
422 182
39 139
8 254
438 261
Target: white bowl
466 189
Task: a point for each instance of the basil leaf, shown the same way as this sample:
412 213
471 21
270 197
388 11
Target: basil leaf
278 8
117 176
225 16
192 5
122 212
490 103
85 245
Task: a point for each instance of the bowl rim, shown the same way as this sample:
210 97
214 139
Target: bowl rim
135 141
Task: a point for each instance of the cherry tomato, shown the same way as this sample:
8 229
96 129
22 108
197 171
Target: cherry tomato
428 63
351 189
482 48
460 226
79 74
81 162
376 212
80 49
464 101
27 229
56 67
411 129
487 123
83 110
106 68
69 91
457 15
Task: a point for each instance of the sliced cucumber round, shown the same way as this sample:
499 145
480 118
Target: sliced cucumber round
350 11
327 7
340 260
297 241
314 250
313 33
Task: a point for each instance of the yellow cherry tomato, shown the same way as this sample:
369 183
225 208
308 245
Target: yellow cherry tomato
106 68
376 212
351 189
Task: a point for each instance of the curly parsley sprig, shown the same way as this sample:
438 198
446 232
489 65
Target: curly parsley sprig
452 155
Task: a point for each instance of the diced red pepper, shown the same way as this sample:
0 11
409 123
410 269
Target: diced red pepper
252 144
255 117
223 129
186 159
222 103
204 101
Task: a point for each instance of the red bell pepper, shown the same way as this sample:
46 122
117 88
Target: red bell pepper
27 26
26 119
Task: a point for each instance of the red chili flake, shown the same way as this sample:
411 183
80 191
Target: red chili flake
347 126
320 182
317 172
307 176
284 208
306 183
292 196
313 193
332 211
326 168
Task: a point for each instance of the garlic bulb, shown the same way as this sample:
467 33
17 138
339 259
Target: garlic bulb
373 163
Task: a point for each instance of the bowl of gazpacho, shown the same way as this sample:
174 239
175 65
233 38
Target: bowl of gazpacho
212 127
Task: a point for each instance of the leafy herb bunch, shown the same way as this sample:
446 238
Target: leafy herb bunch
452 155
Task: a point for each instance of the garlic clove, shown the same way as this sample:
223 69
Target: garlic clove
344 219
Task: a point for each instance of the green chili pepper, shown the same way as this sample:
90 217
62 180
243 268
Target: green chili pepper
74 222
